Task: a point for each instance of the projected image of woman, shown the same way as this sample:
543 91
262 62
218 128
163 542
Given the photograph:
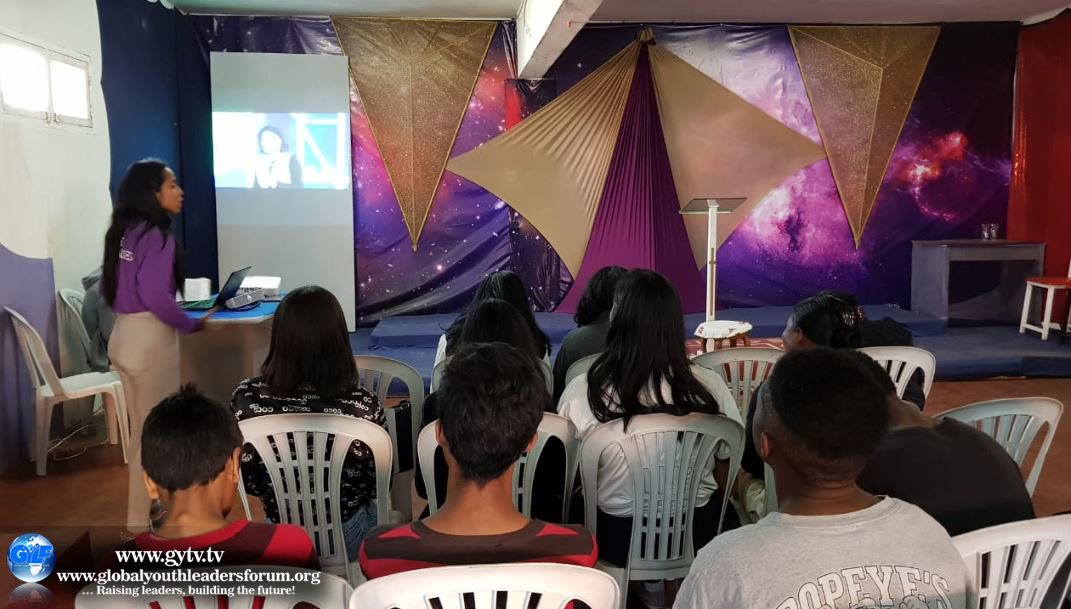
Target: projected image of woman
276 166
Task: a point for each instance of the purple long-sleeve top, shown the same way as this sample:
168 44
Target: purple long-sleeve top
146 277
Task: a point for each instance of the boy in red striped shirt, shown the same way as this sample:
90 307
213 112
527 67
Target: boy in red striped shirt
491 398
190 447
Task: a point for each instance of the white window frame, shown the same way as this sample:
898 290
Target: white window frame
51 54
81 63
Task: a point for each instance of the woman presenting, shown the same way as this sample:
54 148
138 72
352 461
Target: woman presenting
143 265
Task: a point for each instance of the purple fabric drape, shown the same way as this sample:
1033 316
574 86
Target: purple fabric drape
638 223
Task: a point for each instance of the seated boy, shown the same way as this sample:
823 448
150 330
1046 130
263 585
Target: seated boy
491 400
832 545
190 449
954 472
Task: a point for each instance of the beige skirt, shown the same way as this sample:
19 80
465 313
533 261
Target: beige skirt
145 353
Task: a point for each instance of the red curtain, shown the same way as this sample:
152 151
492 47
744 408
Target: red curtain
1040 206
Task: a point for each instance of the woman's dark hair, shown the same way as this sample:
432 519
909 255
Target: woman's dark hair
496 321
309 345
283 147
644 348
503 285
829 319
598 296
136 202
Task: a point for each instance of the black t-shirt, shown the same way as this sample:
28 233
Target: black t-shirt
957 474
578 344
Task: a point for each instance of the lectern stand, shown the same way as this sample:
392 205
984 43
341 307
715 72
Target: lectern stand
712 329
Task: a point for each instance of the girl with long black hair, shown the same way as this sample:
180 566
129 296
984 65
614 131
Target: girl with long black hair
644 351
310 369
143 268
592 323
503 285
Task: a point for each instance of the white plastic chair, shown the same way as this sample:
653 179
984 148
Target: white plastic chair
330 592
437 374
902 362
1014 423
580 367
1013 565
51 390
771 489
742 368
295 477
71 319
376 374
666 456
552 426
77 346
513 586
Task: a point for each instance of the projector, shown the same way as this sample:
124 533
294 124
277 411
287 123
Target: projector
245 299
269 286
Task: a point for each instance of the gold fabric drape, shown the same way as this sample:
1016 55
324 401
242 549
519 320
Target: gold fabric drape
552 166
415 79
861 81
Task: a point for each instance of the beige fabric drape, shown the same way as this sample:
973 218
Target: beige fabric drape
415 79
552 167
861 81
720 145
145 352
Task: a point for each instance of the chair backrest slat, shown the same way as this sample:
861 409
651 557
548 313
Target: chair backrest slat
508 586
1014 565
376 374
580 367
71 319
667 457
901 364
1014 423
742 368
307 479
551 426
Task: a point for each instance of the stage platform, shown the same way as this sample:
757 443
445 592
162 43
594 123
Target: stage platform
962 353
768 322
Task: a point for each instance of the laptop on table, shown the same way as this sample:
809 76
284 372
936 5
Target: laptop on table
229 291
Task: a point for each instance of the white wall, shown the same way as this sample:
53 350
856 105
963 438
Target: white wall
54 200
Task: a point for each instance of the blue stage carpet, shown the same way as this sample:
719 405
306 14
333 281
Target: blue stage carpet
768 322
962 353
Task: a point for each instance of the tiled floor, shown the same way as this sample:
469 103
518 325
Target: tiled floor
90 490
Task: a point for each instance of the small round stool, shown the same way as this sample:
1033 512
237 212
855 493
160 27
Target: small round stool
720 330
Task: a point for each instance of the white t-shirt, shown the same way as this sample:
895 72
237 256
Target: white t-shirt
615 485
890 555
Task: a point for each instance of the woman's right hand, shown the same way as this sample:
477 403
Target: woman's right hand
201 322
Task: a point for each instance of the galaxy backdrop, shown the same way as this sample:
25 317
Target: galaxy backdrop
948 174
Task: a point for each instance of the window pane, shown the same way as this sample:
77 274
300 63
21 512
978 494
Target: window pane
69 96
23 77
